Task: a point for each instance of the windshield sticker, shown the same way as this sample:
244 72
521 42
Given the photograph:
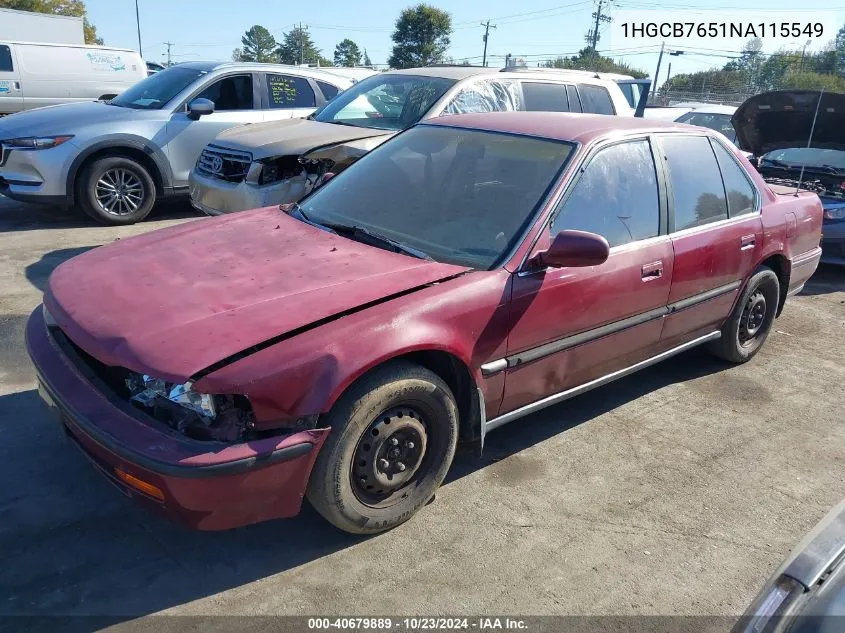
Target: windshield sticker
5 86
282 89
105 61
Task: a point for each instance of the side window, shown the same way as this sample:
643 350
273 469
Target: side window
616 196
486 96
697 190
287 91
595 99
542 97
574 100
740 192
230 93
6 60
329 91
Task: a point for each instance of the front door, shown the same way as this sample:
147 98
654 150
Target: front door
234 104
716 233
571 325
11 93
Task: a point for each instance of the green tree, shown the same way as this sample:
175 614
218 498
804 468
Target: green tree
258 45
589 59
347 53
421 37
367 61
74 8
297 47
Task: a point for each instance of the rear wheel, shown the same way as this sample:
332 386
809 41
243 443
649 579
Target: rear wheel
746 329
393 438
116 190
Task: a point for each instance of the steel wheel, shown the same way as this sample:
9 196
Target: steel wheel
119 192
389 457
752 319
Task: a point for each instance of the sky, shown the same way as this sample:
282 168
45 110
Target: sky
531 29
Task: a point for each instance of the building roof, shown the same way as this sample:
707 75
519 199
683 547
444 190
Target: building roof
561 126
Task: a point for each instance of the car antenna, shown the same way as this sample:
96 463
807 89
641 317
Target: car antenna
810 140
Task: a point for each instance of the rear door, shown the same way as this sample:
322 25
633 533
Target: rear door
287 96
572 325
714 221
544 96
11 93
236 102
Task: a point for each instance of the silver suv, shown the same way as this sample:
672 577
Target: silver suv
280 162
115 158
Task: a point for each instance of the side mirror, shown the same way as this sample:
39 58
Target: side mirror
575 249
200 107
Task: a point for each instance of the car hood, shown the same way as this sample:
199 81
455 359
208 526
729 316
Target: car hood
783 118
171 303
291 137
60 119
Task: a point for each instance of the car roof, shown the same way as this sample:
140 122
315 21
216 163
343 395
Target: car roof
446 72
560 126
256 66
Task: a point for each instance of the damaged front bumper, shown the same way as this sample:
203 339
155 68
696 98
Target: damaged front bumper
206 485
217 197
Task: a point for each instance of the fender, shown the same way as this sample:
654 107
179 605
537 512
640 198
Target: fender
121 141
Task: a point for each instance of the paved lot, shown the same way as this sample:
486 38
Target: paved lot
677 490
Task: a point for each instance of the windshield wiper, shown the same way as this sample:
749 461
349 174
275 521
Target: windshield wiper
357 232
334 122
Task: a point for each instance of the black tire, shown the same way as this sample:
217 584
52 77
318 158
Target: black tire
348 486
745 331
128 178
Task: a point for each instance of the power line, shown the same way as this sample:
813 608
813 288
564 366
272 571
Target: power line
593 36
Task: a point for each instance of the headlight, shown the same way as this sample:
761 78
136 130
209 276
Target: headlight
834 214
269 173
36 142
202 403
183 395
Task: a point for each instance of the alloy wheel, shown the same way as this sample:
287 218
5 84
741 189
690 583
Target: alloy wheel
119 191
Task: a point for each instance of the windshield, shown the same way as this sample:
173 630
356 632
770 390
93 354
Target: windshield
458 196
387 102
156 90
719 122
808 157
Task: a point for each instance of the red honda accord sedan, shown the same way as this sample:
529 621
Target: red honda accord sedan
468 272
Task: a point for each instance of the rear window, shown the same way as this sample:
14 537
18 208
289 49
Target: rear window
5 60
329 91
542 97
595 99
287 91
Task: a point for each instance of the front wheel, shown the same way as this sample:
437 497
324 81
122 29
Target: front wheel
392 441
745 331
116 190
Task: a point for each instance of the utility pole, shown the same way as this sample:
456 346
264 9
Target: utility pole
657 72
593 36
301 45
486 26
168 45
138 22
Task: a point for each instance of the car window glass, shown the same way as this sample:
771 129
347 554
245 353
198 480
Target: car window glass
329 91
595 99
740 191
574 101
719 122
230 93
5 60
486 96
543 97
697 191
287 91
616 196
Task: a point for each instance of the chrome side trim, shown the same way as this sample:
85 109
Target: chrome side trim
494 367
598 382
807 257
704 296
482 412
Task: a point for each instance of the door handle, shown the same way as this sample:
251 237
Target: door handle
747 242
652 271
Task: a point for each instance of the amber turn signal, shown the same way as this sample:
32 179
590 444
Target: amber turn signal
140 485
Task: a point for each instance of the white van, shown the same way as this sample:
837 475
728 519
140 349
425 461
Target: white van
34 75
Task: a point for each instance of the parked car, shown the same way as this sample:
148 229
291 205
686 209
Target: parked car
776 128
470 271
115 158
33 75
280 162
807 592
153 68
716 117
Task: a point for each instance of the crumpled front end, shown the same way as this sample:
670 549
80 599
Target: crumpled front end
216 188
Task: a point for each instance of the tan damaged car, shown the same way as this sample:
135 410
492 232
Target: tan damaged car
277 162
